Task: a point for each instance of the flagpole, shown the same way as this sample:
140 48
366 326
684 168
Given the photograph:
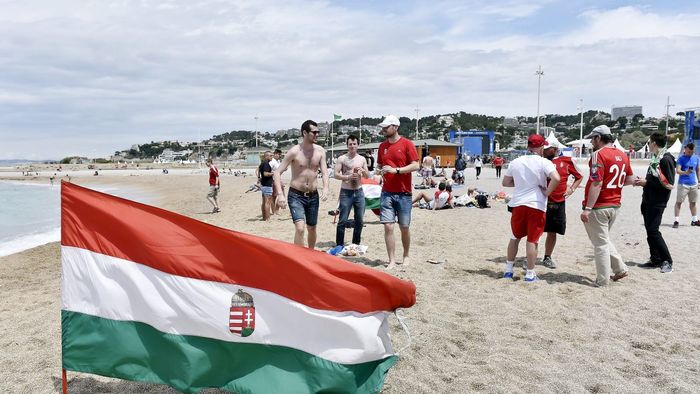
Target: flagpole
361 129
64 381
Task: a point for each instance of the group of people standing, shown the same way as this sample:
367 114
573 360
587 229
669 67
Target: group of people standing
538 205
541 189
397 158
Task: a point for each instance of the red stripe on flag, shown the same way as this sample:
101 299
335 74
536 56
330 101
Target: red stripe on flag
183 246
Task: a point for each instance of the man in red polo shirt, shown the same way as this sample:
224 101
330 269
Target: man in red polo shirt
555 222
610 172
396 159
214 186
528 174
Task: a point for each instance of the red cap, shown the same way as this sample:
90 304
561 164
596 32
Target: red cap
536 141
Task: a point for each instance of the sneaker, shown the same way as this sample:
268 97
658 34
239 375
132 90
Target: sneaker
548 262
666 267
650 264
695 223
508 275
675 225
534 278
215 210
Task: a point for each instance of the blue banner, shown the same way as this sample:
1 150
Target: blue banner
689 118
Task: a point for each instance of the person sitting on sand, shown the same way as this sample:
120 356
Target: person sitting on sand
441 199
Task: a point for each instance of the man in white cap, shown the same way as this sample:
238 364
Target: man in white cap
555 222
396 160
610 171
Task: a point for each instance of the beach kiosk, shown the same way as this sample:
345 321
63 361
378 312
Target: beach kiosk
474 142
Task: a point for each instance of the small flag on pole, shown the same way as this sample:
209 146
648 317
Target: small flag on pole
153 296
337 117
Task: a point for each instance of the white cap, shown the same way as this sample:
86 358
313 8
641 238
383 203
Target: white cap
599 130
389 121
553 144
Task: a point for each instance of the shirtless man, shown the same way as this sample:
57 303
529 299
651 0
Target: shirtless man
349 168
426 170
305 160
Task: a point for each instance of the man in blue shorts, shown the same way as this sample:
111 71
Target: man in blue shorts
396 159
305 159
265 172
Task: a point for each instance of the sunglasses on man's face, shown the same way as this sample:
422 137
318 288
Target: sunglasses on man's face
313 131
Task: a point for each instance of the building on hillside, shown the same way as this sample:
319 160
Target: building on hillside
168 155
511 122
626 111
446 120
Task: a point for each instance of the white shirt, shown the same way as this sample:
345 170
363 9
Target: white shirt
530 177
477 162
274 163
441 200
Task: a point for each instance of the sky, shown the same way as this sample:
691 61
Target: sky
92 77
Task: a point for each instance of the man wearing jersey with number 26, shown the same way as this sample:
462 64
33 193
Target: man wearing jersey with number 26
610 171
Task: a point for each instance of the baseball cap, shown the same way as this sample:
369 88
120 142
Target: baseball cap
536 141
554 144
599 130
389 120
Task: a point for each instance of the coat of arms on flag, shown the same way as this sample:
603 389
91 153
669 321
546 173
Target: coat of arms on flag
242 315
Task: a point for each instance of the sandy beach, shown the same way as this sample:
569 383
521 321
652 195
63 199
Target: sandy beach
470 331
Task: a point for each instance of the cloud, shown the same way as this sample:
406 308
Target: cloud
628 23
79 76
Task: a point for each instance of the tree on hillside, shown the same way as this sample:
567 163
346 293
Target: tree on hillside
637 119
622 120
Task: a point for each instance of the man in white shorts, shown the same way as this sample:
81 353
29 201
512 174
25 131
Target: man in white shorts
687 168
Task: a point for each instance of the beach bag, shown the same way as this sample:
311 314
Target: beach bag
482 200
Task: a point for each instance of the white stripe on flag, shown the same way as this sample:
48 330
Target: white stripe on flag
118 289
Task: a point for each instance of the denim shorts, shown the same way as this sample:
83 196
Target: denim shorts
303 207
266 191
395 205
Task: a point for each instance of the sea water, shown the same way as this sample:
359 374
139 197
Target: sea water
30 214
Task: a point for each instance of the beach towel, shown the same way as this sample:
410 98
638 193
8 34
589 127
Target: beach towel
153 296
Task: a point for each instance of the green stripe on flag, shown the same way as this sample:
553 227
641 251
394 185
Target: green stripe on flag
373 203
137 351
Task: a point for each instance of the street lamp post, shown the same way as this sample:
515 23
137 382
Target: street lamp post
539 74
580 137
668 105
361 128
417 110
256 131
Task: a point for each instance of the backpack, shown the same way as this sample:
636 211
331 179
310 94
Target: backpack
482 200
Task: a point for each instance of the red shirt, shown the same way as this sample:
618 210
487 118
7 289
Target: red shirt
611 166
399 154
498 162
213 174
565 167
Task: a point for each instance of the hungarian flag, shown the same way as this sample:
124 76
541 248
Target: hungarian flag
372 191
153 296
